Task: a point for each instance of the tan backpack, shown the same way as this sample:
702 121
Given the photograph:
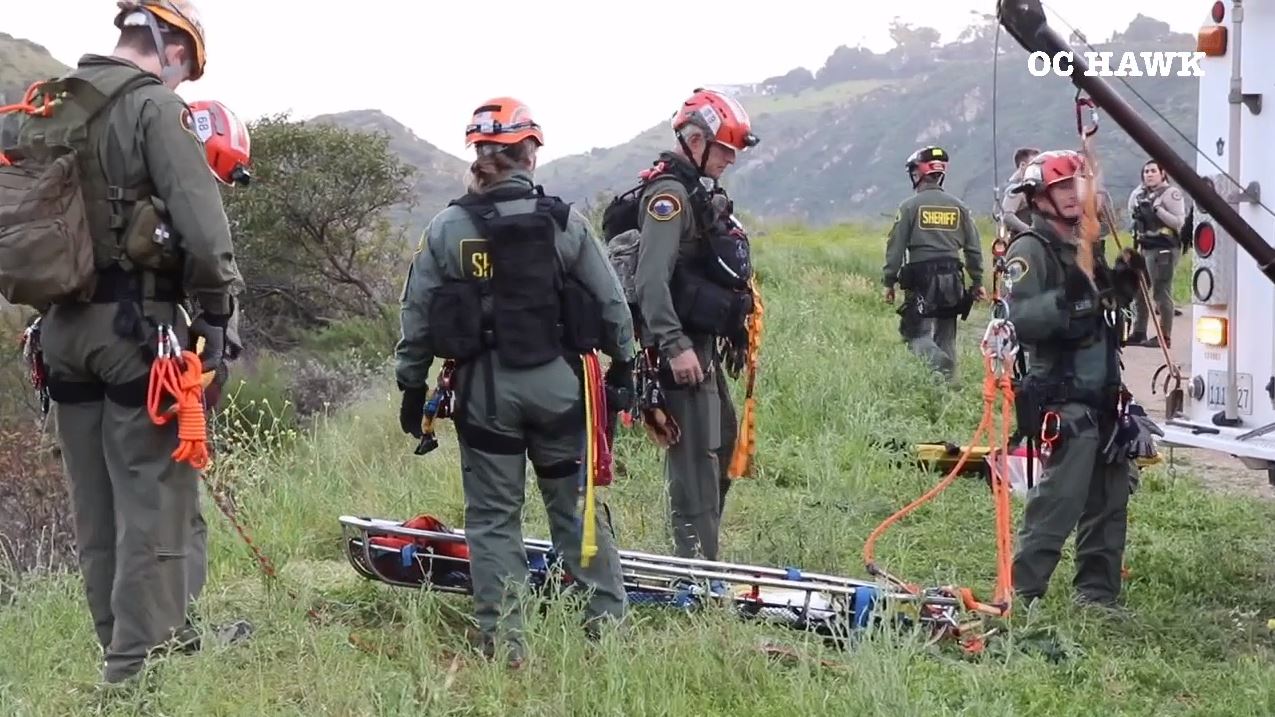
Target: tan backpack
46 245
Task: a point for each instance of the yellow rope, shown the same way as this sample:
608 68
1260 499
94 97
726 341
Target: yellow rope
589 539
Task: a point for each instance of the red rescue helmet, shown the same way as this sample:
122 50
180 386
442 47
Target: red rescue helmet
226 141
1048 168
721 117
503 120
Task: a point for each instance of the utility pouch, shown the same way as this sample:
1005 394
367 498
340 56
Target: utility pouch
46 249
581 318
940 290
1029 406
455 320
706 308
148 240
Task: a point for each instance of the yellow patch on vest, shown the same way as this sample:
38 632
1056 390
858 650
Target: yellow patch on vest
475 262
664 207
938 218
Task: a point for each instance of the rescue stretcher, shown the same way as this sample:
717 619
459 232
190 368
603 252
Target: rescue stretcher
422 553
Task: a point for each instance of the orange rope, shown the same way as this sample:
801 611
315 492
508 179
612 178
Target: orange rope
28 105
996 382
181 378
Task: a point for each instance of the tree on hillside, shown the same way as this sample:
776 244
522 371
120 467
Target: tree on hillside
312 234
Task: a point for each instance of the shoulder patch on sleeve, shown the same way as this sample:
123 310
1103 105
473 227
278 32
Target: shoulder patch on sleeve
663 207
188 123
1015 269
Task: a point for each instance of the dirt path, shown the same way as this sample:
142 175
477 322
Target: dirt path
1218 471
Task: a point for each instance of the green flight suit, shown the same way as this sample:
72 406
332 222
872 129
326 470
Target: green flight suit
133 504
1156 237
532 413
694 467
1072 370
931 228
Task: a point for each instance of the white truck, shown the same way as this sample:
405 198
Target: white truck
1225 399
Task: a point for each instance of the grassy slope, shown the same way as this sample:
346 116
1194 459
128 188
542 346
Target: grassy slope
834 378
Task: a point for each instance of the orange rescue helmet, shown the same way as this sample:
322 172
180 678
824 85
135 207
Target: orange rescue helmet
503 120
226 141
722 118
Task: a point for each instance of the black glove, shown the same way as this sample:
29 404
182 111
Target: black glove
412 410
1144 211
213 330
621 392
212 394
1129 271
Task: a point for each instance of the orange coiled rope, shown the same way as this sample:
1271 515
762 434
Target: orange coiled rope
179 374
999 348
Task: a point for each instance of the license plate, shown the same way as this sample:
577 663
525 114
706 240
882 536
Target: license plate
1216 391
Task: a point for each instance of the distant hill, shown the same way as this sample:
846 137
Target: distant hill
439 176
833 142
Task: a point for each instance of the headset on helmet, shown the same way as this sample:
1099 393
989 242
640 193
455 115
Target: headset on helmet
926 161
226 141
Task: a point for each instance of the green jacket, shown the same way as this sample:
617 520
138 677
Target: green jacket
151 140
932 224
439 256
670 232
1062 343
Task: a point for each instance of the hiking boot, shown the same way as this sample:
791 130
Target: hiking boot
1109 607
1137 338
1154 343
188 640
514 654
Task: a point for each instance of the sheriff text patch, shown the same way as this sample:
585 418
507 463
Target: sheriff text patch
940 218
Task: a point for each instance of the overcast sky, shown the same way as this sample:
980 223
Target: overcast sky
428 63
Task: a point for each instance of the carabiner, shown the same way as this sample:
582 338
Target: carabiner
1081 103
1051 428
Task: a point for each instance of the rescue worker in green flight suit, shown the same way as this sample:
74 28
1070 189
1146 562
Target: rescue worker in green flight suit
1072 398
133 503
692 296
931 230
1157 210
491 288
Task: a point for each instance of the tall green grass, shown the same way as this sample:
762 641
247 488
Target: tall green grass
835 382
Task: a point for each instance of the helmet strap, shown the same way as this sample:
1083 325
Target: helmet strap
703 160
167 72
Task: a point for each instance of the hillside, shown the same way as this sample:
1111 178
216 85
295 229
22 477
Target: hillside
834 142
439 175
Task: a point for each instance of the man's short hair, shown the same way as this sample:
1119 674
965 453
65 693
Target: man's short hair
1024 154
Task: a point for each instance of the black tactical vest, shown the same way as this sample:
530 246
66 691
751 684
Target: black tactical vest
526 308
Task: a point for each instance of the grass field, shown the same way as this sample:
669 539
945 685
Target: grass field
835 381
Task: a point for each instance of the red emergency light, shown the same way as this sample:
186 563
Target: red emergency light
1205 240
1219 11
